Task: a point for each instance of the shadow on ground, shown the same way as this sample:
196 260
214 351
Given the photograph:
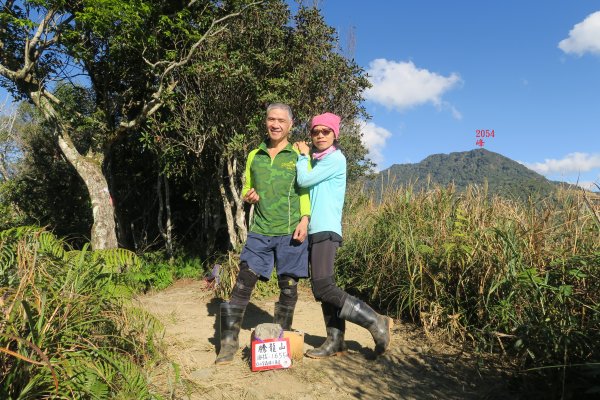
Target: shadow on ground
404 373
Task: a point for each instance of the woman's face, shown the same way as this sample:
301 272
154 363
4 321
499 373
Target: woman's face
322 137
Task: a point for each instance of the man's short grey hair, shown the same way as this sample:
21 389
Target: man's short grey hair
281 106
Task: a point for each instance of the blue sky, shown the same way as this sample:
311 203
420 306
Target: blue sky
441 70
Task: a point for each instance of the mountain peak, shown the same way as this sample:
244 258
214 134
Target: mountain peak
474 167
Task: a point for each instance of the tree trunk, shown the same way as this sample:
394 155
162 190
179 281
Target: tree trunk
7 124
4 177
169 220
89 168
238 210
232 204
103 234
212 219
233 238
166 233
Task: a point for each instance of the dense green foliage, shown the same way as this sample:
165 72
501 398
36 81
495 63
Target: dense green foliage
502 175
67 330
217 114
521 280
182 169
122 54
158 271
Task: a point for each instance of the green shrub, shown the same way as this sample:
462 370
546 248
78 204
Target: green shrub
158 272
10 215
66 330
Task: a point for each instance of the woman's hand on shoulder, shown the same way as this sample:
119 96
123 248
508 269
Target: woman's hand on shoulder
302 147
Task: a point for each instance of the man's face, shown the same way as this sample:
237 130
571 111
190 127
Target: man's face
278 124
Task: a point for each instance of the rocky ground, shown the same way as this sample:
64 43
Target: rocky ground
415 367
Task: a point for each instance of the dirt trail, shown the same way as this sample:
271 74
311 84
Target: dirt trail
413 368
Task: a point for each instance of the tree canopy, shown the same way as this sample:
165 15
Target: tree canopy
167 99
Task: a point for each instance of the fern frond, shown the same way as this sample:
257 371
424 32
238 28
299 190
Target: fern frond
117 260
50 244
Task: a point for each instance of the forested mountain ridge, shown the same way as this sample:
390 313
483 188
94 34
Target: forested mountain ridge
504 176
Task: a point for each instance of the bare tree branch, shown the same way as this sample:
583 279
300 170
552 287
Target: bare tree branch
156 102
58 31
31 44
7 140
7 73
34 47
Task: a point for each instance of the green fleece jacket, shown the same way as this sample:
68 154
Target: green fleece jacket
282 202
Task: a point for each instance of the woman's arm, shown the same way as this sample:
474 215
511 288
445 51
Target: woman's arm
323 170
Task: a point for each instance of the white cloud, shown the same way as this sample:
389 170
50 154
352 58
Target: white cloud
584 37
573 162
455 113
591 186
402 85
374 138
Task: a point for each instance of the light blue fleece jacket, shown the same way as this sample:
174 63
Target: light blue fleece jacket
327 183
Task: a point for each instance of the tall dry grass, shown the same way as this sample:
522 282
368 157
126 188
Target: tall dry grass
518 279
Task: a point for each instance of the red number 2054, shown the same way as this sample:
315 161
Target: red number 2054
484 133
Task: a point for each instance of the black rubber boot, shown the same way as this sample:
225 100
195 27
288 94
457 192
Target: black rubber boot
230 323
283 315
361 314
334 345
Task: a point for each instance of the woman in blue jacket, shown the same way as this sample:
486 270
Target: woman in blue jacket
327 182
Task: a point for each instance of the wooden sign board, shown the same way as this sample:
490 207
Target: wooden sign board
271 354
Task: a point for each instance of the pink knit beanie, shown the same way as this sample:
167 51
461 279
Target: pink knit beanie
329 120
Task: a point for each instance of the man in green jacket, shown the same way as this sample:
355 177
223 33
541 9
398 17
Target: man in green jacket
277 233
